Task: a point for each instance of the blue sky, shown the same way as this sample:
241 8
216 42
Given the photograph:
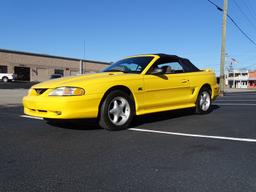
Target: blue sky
112 29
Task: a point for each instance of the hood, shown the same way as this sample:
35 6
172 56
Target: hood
77 80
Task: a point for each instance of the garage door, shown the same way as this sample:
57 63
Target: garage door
23 73
74 73
42 74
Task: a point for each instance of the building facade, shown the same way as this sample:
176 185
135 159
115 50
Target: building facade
241 79
39 67
252 79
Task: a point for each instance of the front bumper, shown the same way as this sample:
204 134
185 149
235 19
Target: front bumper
62 107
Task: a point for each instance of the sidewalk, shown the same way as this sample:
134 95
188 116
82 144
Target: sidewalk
17 85
12 97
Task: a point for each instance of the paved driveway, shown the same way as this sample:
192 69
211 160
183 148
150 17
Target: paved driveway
171 151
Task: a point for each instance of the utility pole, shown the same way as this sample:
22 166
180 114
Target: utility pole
81 67
223 47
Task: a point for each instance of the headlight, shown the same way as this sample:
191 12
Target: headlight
67 91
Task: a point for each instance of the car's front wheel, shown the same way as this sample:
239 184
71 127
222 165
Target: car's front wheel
203 103
5 79
116 111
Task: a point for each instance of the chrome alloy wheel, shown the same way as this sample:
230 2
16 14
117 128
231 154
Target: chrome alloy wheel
205 101
119 111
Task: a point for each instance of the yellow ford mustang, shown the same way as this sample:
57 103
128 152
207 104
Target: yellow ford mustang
133 86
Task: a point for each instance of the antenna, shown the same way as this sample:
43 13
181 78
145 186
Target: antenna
82 62
84 50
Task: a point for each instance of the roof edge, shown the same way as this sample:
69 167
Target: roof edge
50 56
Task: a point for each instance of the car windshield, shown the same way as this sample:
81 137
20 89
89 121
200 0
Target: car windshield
129 65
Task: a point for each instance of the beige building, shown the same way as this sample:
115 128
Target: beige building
40 67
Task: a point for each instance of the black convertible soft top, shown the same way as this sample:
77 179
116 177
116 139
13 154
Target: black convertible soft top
186 64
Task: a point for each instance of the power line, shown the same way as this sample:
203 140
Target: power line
250 39
235 23
249 7
244 14
248 66
220 9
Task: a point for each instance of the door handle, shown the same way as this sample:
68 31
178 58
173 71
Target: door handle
184 81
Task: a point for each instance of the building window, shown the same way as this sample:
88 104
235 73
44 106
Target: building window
59 71
3 69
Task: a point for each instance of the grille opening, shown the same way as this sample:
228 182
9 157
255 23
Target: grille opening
40 91
42 111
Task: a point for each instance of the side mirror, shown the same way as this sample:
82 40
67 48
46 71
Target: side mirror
157 71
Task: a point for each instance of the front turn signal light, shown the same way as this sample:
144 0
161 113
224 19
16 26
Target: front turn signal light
67 91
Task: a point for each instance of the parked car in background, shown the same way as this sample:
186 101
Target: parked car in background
55 76
5 77
133 86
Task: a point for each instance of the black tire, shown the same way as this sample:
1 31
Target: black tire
116 111
204 101
5 79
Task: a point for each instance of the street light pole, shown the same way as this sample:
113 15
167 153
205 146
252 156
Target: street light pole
223 47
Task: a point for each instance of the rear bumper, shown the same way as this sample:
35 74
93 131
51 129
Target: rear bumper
52 107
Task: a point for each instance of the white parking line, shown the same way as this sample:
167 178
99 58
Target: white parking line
239 97
239 94
175 133
236 104
196 136
31 117
245 100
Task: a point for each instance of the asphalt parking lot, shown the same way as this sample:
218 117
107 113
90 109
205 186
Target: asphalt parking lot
171 151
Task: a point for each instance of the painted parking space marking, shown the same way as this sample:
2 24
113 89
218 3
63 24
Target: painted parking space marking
31 117
235 100
236 104
238 96
176 133
195 135
244 93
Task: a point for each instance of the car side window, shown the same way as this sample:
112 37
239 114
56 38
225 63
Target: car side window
171 67
132 67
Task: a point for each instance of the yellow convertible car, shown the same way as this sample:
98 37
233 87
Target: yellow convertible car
133 86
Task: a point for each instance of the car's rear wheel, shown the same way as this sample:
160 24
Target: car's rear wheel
203 103
5 79
116 111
